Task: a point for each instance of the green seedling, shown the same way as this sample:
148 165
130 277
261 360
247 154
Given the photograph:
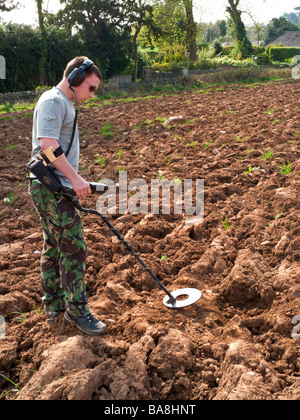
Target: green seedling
160 119
193 144
177 181
160 177
250 169
16 387
277 122
226 224
120 153
267 155
137 127
9 198
11 148
21 316
106 131
196 345
100 160
286 169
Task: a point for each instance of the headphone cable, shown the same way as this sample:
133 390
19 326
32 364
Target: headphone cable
75 121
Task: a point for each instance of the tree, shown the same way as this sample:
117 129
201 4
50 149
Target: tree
243 45
105 28
43 33
169 25
211 31
62 47
277 27
257 27
19 44
176 26
222 26
8 5
144 18
191 29
293 17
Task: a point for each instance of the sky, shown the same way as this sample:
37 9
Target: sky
205 10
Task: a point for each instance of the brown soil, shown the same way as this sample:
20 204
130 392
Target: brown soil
236 342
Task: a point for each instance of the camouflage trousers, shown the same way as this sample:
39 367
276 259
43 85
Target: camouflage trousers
63 259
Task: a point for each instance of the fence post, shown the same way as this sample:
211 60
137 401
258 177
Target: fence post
2 67
147 74
184 71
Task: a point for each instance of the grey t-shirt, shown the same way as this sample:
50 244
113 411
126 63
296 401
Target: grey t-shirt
54 118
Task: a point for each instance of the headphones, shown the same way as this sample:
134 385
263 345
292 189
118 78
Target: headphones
78 75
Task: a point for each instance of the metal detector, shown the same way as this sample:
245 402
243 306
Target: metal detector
172 300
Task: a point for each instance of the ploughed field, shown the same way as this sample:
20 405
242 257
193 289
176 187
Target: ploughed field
241 339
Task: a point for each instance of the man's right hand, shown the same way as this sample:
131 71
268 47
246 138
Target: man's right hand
81 187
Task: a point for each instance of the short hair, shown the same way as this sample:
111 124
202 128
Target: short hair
77 62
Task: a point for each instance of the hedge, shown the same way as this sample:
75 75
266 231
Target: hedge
283 53
228 49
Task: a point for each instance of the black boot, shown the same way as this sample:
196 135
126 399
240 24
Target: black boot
87 323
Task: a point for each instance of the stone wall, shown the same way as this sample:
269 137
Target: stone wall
14 97
118 83
149 80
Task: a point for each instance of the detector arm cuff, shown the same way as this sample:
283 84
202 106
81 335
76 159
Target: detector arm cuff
50 155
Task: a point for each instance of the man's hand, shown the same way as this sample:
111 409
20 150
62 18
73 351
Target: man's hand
81 187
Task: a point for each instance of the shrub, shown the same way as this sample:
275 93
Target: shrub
263 59
257 49
206 64
227 50
234 63
202 46
173 53
269 47
217 46
161 67
283 53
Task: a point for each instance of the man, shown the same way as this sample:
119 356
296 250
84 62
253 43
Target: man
63 258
